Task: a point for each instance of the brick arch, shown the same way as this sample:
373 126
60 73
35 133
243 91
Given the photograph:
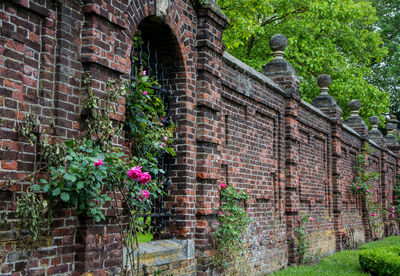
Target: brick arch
176 34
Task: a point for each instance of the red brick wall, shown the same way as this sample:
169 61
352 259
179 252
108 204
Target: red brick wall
233 125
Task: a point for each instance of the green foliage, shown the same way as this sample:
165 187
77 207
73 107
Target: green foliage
363 177
362 185
144 123
334 37
79 182
381 261
27 130
32 212
229 255
88 171
396 196
303 240
386 73
99 120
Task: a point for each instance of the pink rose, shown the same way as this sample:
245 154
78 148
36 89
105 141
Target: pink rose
393 215
376 234
144 73
395 196
311 219
390 197
144 93
223 185
163 145
146 194
144 178
372 214
135 172
367 191
165 139
98 163
220 214
358 187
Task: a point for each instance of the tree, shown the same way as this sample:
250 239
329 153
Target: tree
335 37
387 73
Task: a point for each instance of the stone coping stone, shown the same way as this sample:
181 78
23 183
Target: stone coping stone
160 252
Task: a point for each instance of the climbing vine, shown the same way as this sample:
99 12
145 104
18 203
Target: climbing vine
229 245
303 240
89 170
362 185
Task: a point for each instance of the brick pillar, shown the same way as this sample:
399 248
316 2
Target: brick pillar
280 71
327 104
208 133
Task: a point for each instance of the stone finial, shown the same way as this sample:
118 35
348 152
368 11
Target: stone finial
278 44
354 106
355 121
374 134
323 82
374 121
325 102
391 128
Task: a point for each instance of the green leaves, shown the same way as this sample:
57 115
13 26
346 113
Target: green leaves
233 224
56 191
70 177
325 37
64 196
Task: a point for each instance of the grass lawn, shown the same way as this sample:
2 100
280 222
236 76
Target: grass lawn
341 263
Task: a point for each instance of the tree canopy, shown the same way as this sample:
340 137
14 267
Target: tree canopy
336 37
387 73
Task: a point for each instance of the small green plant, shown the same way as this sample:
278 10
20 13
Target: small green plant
303 240
230 248
33 214
27 130
79 182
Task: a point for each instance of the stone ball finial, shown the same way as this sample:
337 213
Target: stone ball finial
374 120
324 81
390 127
278 44
354 105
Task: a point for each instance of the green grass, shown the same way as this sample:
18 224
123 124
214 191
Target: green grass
145 237
341 263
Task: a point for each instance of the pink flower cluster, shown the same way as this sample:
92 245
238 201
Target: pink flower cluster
98 163
137 174
145 194
393 212
390 196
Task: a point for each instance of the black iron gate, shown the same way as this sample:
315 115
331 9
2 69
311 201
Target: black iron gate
145 57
